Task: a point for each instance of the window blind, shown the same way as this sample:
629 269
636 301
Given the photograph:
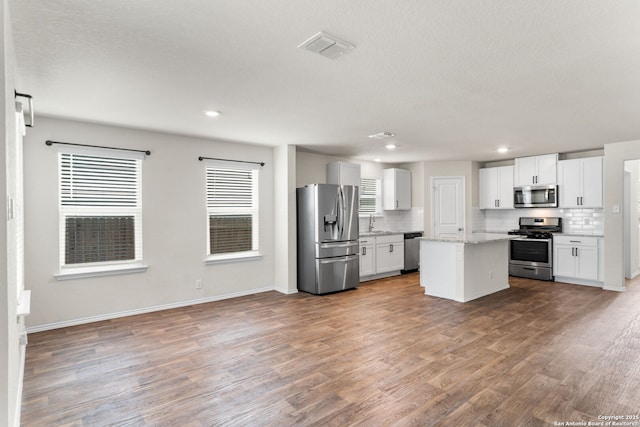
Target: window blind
370 196
232 208
98 181
100 209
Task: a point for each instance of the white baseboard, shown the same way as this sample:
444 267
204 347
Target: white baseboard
109 316
287 291
22 356
575 281
614 288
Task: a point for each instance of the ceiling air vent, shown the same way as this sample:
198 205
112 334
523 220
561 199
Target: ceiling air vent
326 45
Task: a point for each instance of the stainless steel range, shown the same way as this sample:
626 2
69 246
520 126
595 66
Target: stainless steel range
531 254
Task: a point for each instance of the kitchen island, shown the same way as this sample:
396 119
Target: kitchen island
464 267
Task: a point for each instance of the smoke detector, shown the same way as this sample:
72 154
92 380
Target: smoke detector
326 45
382 135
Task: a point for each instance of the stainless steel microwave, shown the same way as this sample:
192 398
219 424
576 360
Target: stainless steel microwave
540 196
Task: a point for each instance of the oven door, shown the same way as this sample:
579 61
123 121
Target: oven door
531 252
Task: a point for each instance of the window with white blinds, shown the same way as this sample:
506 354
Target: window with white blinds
100 209
370 196
232 210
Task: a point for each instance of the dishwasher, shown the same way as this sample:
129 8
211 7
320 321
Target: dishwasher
411 252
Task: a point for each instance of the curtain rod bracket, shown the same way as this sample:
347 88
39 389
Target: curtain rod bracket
30 99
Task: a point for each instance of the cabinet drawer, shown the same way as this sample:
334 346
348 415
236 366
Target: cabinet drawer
391 238
575 240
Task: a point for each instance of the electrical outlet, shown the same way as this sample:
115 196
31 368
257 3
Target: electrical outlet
198 283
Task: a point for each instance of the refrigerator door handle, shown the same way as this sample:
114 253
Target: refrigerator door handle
341 212
338 245
340 259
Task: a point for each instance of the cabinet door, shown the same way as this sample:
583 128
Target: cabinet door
488 183
587 262
350 174
525 171
547 167
570 185
367 259
564 263
396 189
389 257
505 187
343 173
591 182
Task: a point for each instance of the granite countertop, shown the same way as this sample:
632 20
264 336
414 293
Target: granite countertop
471 238
384 233
579 234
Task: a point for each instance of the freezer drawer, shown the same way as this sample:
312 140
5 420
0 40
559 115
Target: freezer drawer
336 274
336 249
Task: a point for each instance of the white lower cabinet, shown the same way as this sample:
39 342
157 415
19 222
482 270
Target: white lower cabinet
576 259
380 255
367 256
389 253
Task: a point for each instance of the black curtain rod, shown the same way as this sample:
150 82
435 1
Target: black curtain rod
49 142
228 160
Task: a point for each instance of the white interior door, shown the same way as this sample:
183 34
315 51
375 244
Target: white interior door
447 204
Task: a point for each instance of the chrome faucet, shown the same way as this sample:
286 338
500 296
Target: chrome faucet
372 220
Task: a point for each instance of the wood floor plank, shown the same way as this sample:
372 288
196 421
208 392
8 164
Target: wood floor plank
383 354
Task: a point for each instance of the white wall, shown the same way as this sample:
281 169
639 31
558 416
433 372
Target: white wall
614 156
311 168
174 226
9 327
417 182
285 247
633 237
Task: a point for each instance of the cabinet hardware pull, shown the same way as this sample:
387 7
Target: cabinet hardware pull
364 251
396 203
391 247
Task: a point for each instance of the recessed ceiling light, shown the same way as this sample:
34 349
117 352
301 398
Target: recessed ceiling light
377 160
390 146
382 135
503 150
212 113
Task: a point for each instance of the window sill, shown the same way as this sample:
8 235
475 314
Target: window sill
225 259
106 270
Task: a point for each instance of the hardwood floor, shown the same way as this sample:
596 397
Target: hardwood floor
384 354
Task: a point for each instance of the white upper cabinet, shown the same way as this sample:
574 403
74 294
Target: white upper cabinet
536 170
496 188
343 173
396 189
580 183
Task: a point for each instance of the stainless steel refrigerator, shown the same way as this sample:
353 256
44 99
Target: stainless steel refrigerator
328 258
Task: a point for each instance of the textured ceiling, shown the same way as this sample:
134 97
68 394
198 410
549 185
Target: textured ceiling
453 79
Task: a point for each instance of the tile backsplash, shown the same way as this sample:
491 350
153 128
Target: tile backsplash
581 221
401 221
